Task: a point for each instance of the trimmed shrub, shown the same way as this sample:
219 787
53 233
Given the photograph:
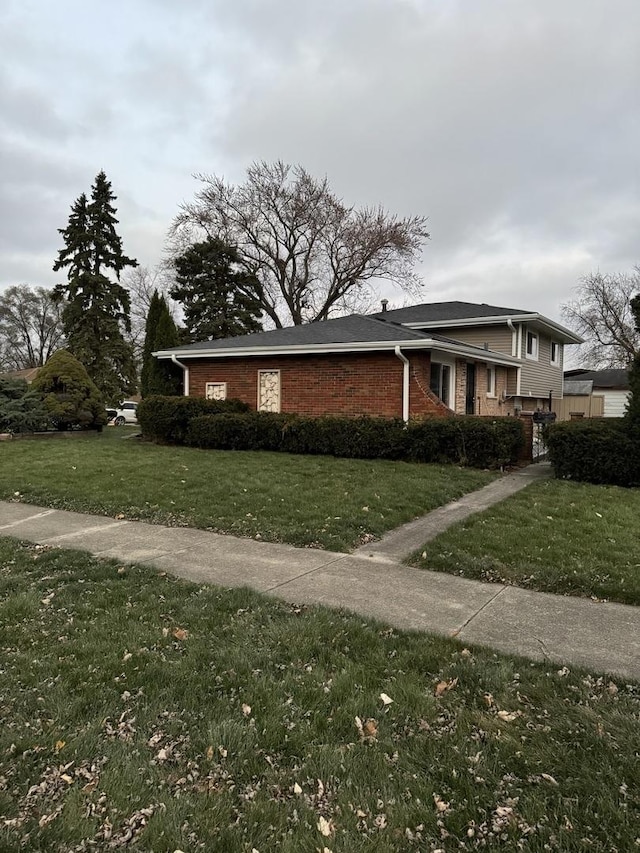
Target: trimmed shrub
71 399
478 442
594 451
166 419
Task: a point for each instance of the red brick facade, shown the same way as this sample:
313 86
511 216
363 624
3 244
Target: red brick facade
333 384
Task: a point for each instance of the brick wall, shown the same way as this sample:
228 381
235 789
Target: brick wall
337 384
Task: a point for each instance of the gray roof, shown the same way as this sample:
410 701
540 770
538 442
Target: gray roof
355 328
431 312
612 377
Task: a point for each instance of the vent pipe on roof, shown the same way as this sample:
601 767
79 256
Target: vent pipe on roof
384 304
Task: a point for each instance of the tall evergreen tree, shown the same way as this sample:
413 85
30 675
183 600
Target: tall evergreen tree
216 291
150 328
96 310
632 412
160 377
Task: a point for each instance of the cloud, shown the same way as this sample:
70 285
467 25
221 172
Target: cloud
511 125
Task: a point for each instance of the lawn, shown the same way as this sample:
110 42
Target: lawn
315 501
555 536
141 711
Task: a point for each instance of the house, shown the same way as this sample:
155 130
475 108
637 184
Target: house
28 374
438 358
595 393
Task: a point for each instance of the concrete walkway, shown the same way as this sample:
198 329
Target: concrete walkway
403 541
573 631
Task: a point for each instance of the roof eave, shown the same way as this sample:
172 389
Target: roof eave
358 346
567 336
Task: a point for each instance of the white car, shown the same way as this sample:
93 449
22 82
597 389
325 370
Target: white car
125 413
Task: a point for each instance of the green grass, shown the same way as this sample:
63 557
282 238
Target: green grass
231 718
556 536
316 501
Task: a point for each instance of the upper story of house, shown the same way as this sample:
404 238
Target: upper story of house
533 339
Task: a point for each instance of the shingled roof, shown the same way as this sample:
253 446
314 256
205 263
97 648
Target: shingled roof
344 334
429 312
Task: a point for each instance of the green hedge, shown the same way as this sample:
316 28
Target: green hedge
478 442
594 451
166 419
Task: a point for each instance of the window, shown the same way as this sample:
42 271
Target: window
491 381
532 346
555 353
268 390
216 391
440 381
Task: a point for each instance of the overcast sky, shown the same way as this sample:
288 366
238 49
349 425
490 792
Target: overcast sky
513 125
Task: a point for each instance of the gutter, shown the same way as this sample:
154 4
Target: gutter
405 383
355 346
186 374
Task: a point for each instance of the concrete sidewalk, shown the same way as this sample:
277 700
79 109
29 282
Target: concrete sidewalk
573 631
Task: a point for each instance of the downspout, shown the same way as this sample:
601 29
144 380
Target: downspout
514 338
186 374
405 384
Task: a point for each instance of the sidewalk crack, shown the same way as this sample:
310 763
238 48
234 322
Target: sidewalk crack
478 612
308 572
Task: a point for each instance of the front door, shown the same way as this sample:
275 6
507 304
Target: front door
470 404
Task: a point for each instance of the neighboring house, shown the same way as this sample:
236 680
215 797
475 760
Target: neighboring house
27 373
595 393
432 359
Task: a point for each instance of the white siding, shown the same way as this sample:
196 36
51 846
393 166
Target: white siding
614 402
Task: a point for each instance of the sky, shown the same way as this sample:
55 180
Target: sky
513 126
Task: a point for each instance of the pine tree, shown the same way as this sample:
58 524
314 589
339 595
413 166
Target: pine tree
97 307
216 292
160 377
632 412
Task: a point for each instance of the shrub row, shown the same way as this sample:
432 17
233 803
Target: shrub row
594 451
166 419
477 442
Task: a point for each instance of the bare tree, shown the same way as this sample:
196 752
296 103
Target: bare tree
601 313
141 283
30 327
312 255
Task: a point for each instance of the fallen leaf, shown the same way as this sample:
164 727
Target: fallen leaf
370 729
440 804
246 710
509 716
324 826
120 515
209 753
612 688
296 788
386 700
180 634
548 778
443 687
59 745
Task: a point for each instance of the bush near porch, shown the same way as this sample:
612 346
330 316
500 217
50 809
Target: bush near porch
604 452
